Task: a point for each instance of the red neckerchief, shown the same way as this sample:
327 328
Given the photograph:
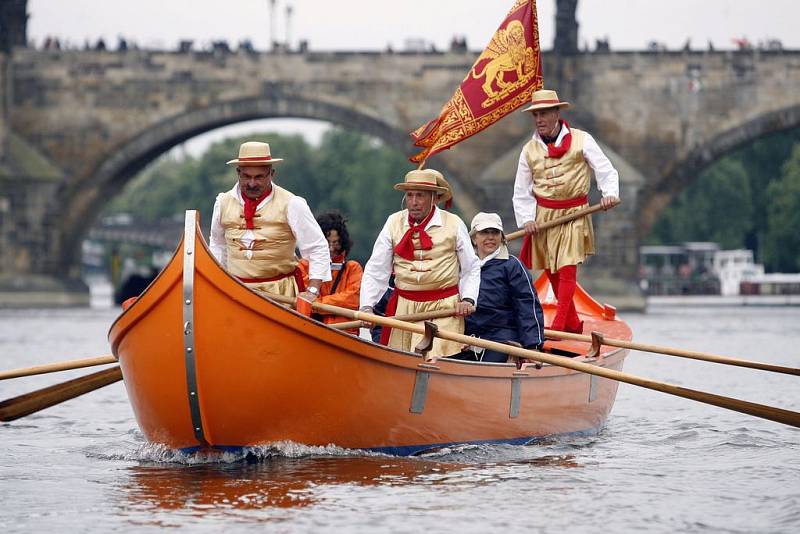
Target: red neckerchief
554 151
405 248
250 207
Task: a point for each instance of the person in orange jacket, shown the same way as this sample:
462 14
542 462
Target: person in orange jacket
344 288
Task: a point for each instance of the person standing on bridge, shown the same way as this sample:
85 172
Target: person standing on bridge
257 225
430 253
553 180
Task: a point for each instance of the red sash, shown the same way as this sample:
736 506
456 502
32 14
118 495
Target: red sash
298 277
561 204
427 295
527 242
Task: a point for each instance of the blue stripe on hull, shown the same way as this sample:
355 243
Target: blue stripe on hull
411 450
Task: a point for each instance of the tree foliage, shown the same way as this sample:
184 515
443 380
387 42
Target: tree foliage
782 243
742 201
348 172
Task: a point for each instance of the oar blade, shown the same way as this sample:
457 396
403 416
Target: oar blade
35 401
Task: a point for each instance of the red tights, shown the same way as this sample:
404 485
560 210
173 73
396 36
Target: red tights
563 282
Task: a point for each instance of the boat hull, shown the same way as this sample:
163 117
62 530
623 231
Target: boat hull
233 369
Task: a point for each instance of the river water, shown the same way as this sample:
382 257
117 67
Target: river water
661 464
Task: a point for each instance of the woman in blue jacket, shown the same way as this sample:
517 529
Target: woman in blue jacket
508 308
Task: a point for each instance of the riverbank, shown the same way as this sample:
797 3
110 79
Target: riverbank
720 300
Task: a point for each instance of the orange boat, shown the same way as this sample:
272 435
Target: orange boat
207 363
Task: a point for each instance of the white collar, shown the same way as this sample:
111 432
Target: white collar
564 131
501 253
436 220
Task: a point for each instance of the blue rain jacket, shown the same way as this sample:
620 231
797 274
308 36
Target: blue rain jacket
508 308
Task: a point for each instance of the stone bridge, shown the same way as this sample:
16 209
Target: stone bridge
75 126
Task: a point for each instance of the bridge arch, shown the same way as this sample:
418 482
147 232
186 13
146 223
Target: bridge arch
84 199
656 197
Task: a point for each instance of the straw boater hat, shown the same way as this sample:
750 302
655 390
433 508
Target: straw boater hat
426 180
254 153
545 99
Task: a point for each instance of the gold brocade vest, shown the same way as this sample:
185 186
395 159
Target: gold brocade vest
273 244
559 178
437 268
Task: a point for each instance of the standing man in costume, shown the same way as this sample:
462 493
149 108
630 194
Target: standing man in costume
430 253
257 225
553 179
343 289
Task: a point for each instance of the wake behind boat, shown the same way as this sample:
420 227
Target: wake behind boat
208 363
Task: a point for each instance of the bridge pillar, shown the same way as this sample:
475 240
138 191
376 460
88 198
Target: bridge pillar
28 186
566 41
4 117
13 24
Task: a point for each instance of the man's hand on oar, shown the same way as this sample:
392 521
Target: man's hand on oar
609 202
531 227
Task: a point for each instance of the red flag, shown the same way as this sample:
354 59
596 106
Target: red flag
502 79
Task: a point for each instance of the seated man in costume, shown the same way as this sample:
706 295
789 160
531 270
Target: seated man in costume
429 252
508 308
345 285
257 225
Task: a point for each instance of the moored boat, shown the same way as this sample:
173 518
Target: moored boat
209 363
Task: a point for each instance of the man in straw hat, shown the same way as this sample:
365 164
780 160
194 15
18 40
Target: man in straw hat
553 179
257 225
431 256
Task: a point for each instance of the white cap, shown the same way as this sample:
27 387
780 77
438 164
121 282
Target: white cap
482 221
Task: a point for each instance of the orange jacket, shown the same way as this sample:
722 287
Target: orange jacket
347 292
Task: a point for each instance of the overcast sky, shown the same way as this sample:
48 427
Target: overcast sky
372 24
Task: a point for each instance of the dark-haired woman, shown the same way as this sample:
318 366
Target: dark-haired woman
344 287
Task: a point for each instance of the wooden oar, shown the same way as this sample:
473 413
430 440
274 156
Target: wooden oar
557 221
44 398
411 317
57 366
671 351
779 415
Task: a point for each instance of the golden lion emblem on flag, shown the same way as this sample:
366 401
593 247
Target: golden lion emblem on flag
507 52
502 79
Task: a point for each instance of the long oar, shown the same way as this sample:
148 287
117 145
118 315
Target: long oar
57 366
411 317
44 398
779 415
557 221
671 351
